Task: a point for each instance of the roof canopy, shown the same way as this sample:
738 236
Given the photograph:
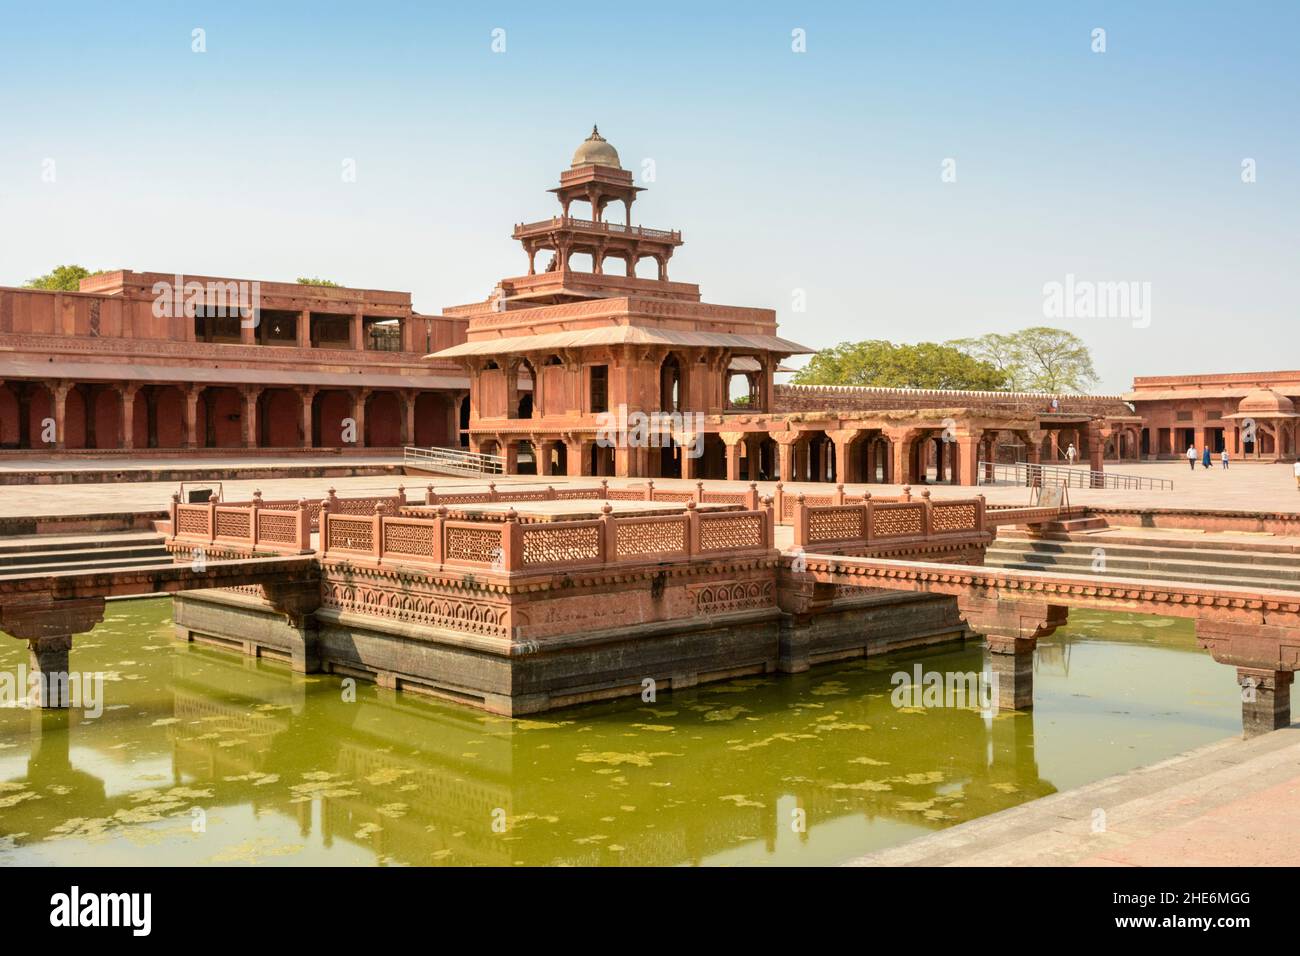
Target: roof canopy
623 335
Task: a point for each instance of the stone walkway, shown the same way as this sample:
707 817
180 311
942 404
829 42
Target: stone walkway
1243 488
1232 803
73 462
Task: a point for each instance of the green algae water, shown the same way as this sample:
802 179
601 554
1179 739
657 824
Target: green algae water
203 757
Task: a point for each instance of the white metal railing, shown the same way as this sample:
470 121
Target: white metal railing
1033 475
454 461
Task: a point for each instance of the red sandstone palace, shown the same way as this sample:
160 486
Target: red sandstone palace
535 373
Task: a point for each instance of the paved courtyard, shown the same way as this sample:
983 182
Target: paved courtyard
1245 487
1232 803
75 462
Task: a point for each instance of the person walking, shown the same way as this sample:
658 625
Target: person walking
1071 454
1296 469
1191 457
1223 457
1205 459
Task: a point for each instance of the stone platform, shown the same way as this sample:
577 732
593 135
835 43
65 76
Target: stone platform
540 602
1232 803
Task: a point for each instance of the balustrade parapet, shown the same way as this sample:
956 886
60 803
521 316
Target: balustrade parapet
384 529
871 521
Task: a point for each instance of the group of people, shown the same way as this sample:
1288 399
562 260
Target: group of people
1205 456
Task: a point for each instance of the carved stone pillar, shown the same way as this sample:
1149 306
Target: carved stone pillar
407 400
785 455
250 396
966 468
126 401
191 439
454 400
692 449
356 332
574 456
901 441
1096 451
59 410
359 398
843 439
308 397
732 440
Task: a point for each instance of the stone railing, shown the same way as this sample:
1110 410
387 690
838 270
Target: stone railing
748 498
1009 514
872 521
785 502
588 225
510 545
361 505
256 526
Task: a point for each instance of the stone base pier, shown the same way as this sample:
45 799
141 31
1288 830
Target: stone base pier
1012 629
1265 700
47 623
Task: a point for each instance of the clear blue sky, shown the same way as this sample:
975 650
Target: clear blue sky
817 171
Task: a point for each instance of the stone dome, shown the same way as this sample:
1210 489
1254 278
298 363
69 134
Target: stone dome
1266 401
596 151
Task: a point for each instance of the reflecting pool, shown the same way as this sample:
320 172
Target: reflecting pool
203 757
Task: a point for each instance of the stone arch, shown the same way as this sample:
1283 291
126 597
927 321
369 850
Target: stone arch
383 420
279 418
526 455
432 420
330 408
10 430
219 417
158 417
672 383
601 460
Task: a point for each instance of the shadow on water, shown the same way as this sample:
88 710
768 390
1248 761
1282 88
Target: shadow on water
201 756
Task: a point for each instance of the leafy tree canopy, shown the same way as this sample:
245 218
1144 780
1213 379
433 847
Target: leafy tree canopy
883 364
1037 359
302 280
61 279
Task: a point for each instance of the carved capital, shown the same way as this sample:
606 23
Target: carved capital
36 617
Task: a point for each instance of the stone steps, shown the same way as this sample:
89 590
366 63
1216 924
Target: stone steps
43 554
1071 525
1155 562
1191 550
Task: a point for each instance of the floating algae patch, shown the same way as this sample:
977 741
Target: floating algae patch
286 772
726 713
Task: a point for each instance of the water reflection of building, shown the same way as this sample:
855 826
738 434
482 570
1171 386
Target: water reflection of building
419 782
416 782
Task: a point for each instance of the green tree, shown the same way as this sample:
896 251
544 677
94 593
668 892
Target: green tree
326 282
61 279
883 364
1038 359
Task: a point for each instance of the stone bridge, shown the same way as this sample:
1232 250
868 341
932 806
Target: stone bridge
477 595
1256 631
46 610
